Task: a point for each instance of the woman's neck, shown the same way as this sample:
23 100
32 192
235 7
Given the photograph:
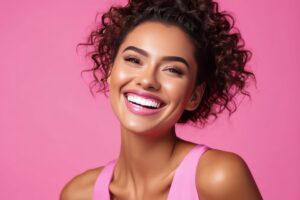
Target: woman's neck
143 158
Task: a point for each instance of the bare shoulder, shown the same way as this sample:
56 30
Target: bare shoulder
81 186
225 175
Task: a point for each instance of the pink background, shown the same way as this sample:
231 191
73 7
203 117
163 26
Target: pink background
51 128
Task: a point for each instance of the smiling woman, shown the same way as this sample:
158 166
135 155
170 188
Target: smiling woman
167 62
151 66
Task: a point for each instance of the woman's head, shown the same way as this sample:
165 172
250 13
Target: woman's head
153 77
218 52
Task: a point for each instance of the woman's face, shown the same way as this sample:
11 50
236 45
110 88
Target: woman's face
152 78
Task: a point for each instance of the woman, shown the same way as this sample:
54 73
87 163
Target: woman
166 62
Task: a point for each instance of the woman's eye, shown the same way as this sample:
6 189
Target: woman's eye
132 60
174 70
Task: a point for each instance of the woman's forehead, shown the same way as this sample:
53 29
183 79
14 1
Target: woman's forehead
160 39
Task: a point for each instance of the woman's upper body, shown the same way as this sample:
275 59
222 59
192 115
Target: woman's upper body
167 62
220 175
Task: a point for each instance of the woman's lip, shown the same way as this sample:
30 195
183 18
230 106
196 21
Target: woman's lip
145 95
140 110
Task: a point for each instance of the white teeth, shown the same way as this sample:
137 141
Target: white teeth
142 101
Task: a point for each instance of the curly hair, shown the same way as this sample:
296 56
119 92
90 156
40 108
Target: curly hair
219 49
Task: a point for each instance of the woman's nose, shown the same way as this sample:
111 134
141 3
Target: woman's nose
147 79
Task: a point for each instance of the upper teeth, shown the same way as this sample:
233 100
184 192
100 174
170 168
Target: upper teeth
143 101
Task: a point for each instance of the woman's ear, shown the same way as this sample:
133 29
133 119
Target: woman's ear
109 74
108 79
196 97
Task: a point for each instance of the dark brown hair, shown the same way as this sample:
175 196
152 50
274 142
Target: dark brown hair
219 49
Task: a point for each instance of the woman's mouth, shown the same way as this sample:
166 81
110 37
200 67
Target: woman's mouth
143 103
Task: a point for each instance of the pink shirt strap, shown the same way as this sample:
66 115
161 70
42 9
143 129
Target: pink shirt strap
101 187
184 181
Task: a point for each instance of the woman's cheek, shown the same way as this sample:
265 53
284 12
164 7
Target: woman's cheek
121 74
177 89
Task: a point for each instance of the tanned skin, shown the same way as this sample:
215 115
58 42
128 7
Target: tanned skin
150 151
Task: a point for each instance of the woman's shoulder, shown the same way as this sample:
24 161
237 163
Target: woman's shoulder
225 175
81 186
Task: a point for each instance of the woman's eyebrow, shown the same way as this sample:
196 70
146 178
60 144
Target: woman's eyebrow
165 58
138 50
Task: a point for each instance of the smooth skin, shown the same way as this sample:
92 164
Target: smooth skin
159 59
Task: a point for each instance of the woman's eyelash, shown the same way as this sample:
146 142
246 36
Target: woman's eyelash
132 60
174 70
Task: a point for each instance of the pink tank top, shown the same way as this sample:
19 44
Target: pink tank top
183 185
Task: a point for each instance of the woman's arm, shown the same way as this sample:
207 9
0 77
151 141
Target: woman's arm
225 176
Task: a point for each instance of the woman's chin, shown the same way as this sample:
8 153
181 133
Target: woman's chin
141 129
